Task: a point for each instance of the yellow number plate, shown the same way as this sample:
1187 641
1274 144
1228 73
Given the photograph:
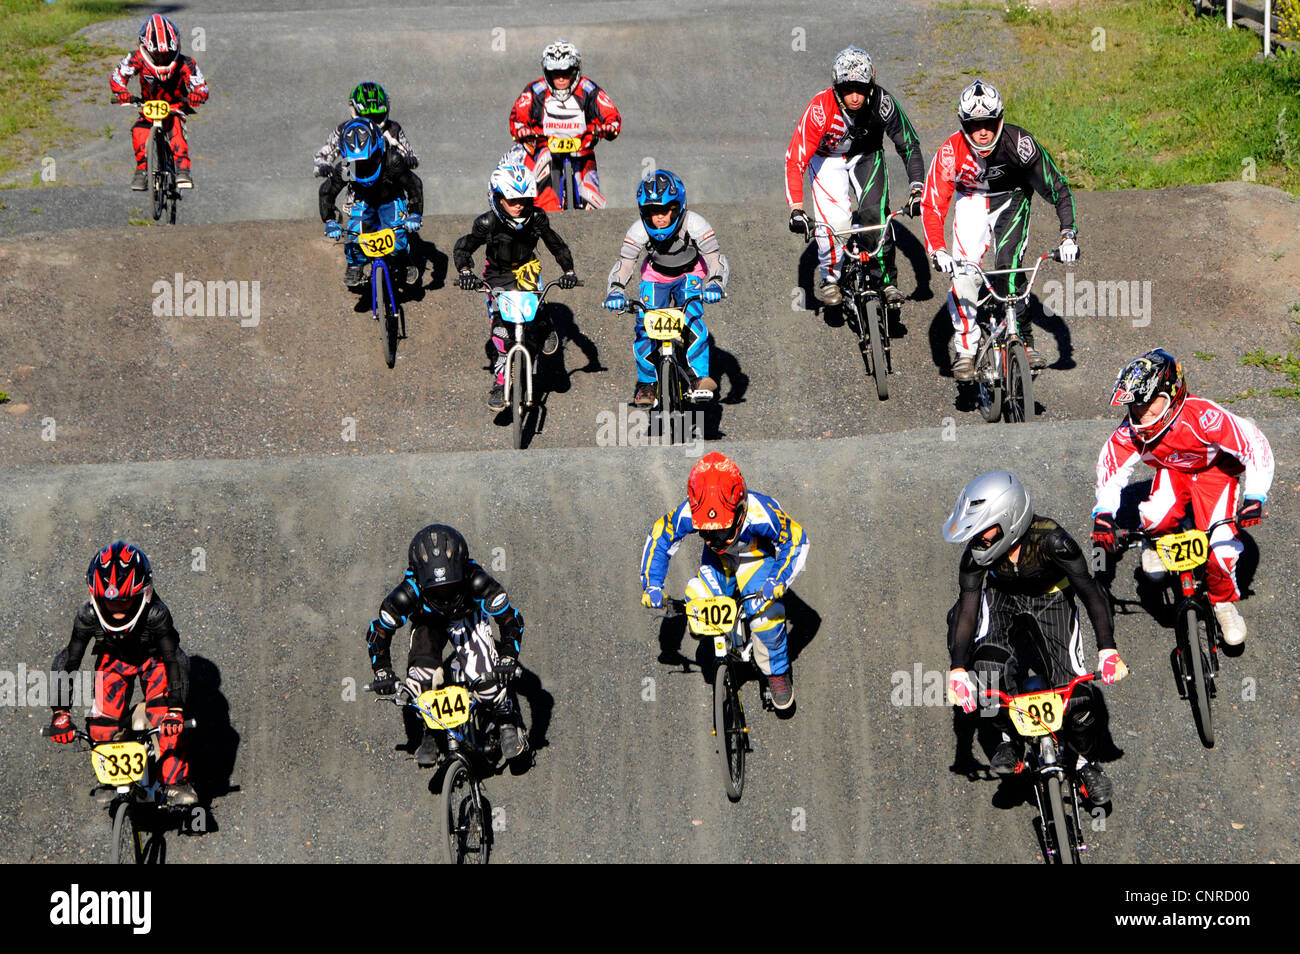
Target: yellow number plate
156 109
1183 551
711 615
444 708
557 144
664 324
377 244
1038 713
119 763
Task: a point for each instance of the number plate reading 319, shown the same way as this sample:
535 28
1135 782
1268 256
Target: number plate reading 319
664 324
1038 713
156 109
1183 551
119 763
444 708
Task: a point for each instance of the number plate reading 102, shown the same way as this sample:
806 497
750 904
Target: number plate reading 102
444 708
711 615
1038 713
664 324
1183 551
119 763
377 244
556 144
156 109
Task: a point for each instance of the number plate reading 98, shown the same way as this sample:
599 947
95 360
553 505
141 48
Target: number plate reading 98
1038 713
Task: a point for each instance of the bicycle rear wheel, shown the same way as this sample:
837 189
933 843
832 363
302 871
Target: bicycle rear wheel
1019 407
869 312
171 191
729 731
1193 644
517 409
463 827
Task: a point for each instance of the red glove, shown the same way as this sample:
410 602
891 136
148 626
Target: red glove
1103 531
172 724
63 732
1252 512
197 99
124 98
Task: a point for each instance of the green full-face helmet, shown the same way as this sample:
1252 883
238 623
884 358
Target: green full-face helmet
369 101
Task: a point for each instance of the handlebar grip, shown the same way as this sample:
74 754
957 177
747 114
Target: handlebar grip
47 731
191 723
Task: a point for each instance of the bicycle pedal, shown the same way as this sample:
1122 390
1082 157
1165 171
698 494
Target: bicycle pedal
698 396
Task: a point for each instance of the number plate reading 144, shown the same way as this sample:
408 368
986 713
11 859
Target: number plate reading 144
664 324
156 109
1038 713
444 708
377 244
119 763
1183 551
711 615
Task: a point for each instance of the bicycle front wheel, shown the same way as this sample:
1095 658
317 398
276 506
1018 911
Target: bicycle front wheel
869 312
729 731
1020 386
385 310
517 371
1193 644
126 837
1056 825
990 394
463 826
670 398
154 176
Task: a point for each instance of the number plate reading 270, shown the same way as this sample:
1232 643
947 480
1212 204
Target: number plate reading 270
377 244
1038 713
1183 551
444 708
119 763
664 324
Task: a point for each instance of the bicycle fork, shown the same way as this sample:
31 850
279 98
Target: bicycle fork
520 348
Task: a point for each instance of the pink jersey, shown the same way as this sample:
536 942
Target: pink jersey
1204 435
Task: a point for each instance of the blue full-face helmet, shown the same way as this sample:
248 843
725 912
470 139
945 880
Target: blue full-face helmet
661 191
362 145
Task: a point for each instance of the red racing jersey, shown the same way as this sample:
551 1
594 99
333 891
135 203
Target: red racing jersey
1204 435
537 112
186 85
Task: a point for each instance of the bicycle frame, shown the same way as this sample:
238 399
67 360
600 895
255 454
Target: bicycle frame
846 239
674 349
525 317
1009 328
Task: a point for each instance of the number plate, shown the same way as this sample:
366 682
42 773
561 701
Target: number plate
518 307
558 144
664 324
156 109
377 244
119 763
444 708
711 615
1038 713
1183 551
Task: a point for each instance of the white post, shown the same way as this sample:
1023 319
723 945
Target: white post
1229 14
1268 23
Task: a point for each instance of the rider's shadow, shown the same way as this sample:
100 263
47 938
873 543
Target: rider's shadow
1056 326
432 263
212 745
553 375
539 705
727 370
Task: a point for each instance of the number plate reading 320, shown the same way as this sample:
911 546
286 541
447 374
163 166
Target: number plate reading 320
444 708
377 244
711 615
664 324
1183 551
119 763
1038 713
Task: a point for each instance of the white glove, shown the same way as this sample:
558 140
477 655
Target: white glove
943 261
1069 248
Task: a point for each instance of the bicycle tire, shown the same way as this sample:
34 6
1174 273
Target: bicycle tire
871 316
153 175
1061 834
1192 634
126 838
463 827
990 395
1019 404
729 732
669 397
389 322
171 192
517 399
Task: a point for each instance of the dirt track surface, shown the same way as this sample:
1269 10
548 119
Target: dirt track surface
300 465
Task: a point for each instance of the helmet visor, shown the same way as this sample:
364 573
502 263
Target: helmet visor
442 597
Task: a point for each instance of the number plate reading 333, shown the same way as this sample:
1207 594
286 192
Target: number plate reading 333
156 109
445 708
377 244
1183 551
119 763
1038 713
664 324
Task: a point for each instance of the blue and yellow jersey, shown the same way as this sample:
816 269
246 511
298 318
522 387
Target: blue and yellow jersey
767 533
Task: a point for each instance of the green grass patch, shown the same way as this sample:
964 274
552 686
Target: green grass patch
35 37
1204 355
4 397
1287 364
1142 94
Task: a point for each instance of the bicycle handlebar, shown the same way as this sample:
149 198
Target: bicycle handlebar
1066 691
635 304
1125 539
47 731
968 266
856 230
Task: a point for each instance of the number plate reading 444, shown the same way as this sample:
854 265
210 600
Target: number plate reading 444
664 324
444 708
119 763
377 244
1183 551
1038 713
